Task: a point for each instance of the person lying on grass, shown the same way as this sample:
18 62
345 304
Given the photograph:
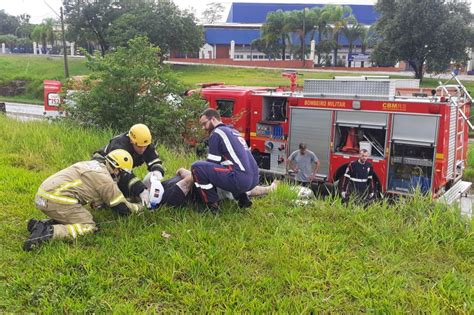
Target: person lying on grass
62 197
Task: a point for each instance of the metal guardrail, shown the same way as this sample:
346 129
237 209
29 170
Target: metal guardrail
21 111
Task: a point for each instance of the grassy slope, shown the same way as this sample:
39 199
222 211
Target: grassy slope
39 68
36 69
277 256
191 75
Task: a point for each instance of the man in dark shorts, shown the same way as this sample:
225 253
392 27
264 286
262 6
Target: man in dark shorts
177 191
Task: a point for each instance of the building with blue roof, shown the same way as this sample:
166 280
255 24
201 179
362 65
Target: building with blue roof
233 38
241 12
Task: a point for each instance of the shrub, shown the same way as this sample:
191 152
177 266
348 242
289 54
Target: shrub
132 86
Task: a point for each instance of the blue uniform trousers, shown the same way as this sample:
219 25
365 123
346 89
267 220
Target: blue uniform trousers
207 176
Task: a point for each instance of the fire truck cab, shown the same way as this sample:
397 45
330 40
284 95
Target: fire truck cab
416 139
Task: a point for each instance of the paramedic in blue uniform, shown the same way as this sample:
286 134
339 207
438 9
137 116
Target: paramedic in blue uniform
229 165
358 179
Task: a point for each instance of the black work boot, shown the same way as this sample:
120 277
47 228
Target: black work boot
41 232
244 201
32 223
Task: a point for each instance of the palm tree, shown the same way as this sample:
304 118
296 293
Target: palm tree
9 39
337 17
321 24
352 32
301 22
367 39
274 30
39 35
49 30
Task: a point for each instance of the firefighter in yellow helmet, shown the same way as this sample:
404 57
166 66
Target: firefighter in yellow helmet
138 142
64 195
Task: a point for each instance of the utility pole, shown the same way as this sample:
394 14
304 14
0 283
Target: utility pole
66 67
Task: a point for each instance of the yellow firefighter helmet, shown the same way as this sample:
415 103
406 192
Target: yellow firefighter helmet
120 159
140 135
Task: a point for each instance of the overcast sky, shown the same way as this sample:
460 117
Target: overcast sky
39 10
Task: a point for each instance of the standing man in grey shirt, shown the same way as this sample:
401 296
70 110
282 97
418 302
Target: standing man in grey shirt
304 163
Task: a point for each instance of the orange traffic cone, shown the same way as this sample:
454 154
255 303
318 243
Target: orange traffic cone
352 143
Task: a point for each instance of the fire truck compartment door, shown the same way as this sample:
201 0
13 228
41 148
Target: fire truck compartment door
415 128
312 126
363 119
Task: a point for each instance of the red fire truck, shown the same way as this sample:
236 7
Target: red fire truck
416 138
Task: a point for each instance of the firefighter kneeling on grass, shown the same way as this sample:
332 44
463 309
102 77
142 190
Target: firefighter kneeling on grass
138 142
62 197
358 179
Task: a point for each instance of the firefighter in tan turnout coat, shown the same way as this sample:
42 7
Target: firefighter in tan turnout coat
62 197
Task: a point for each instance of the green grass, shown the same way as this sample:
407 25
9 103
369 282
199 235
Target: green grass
414 256
39 68
191 75
36 69
469 171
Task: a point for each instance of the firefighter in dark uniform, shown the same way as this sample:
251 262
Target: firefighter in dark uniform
63 197
358 179
137 142
229 165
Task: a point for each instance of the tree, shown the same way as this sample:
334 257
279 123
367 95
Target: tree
154 20
112 23
429 33
274 31
321 25
48 27
337 17
213 12
9 40
367 39
130 85
301 22
352 32
92 18
269 48
39 35
8 23
324 48
44 32
25 28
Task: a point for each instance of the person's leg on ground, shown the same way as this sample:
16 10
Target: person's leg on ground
183 173
186 183
202 172
70 221
208 176
263 190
